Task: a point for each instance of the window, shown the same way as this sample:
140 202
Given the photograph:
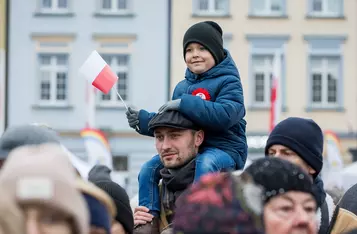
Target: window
114 6
262 66
116 50
53 6
325 61
326 8
119 63
262 51
324 81
120 163
268 7
211 7
52 70
53 76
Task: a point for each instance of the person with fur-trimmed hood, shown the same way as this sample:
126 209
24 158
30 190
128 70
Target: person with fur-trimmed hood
300 141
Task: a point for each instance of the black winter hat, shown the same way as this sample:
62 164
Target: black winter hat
279 176
209 34
100 176
303 136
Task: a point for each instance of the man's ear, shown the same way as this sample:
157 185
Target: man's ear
199 137
311 171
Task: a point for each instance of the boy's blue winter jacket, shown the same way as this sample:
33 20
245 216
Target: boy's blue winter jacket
221 115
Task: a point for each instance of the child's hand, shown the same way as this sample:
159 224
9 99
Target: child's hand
171 105
133 117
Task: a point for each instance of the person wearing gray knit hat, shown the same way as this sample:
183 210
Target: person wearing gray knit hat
100 176
29 134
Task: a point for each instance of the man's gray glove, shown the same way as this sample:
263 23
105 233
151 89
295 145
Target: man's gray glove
171 105
133 117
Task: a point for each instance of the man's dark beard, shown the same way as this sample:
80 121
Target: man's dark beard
192 153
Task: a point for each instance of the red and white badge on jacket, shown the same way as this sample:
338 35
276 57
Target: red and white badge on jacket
202 93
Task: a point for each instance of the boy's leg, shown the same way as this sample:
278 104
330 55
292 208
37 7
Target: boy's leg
149 178
213 160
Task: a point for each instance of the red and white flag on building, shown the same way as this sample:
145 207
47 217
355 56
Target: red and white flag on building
276 97
98 72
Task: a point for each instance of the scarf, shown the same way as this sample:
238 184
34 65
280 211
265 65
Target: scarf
174 183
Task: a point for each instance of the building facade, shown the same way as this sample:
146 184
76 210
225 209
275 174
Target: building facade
3 26
49 41
318 46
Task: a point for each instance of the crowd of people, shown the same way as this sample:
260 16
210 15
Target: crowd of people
191 186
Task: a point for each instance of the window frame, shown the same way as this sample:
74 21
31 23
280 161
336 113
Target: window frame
114 159
54 8
211 11
268 12
267 70
324 70
116 69
325 13
266 45
329 47
53 68
114 8
54 44
116 45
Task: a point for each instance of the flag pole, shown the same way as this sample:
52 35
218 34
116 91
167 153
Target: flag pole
117 92
126 107
90 106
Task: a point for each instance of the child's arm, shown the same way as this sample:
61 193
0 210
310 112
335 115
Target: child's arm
226 111
145 116
144 119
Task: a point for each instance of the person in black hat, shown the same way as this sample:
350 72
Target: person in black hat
300 141
211 96
124 221
177 140
290 204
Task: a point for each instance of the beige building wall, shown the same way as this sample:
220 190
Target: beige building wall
295 25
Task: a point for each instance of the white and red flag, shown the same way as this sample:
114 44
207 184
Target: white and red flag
98 72
276 94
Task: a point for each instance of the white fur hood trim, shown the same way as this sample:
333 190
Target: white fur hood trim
331 208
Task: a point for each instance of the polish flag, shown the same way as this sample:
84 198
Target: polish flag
98 72
276 97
